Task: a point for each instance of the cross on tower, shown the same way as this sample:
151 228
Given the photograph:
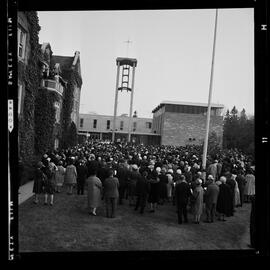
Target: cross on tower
128 41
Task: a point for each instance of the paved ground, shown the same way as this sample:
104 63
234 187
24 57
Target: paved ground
66 226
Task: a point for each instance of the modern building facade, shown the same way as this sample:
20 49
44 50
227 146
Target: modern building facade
183 123
95 126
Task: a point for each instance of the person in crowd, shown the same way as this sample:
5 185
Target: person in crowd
48 182
39 179
219 169
182 194
92 164
133 177
198 201
250 185
154 191
176 179
169 184
59 176
241 181
142 190
81 176
70 178
163 186
224 202
211 196
122 175
237 200
188 174
213 170
231 183
94 189
111 194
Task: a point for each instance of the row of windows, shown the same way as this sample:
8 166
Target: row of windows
189 109
108 124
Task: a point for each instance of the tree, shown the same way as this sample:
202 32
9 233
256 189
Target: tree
214 144
238 132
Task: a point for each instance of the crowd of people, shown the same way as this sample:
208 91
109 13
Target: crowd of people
148 177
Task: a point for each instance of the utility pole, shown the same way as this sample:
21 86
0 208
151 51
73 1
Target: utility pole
209 97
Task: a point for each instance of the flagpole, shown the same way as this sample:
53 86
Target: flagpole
209 98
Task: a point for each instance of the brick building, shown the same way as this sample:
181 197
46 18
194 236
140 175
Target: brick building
183 123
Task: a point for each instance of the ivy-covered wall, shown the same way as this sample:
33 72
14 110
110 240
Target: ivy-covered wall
30 75
45 121
68 131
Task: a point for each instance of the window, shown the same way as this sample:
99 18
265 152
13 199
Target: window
57 112
21 43
134 126
121 125
95 123
148 125
81 122
108 124
19 98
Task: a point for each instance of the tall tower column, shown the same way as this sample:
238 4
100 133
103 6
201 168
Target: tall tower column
131 104
115 102
123 70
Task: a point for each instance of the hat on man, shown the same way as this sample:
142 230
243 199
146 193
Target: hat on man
210 177
135 167
158 169
170 171
40 164
178 171
198 181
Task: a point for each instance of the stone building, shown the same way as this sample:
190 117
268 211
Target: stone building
183 123
64 65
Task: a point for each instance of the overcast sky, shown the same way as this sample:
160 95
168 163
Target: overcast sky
174 53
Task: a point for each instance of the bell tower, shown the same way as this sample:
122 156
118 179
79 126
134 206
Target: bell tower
124 82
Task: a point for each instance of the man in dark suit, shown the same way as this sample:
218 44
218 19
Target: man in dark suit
231 183
111 185
122 175
211 196
241 181
182 193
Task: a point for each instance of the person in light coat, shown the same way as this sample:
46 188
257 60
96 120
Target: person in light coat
70 176
198 203
211 196
94 188
250 185
59 176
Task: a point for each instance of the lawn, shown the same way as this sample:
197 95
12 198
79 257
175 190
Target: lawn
67 226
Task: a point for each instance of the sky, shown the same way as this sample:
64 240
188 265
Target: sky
174 53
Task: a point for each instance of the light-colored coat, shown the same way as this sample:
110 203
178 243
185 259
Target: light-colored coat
94 187
59 175
250 185
198 205
70 175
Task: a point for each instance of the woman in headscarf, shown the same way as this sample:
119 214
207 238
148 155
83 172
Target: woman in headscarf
198 201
